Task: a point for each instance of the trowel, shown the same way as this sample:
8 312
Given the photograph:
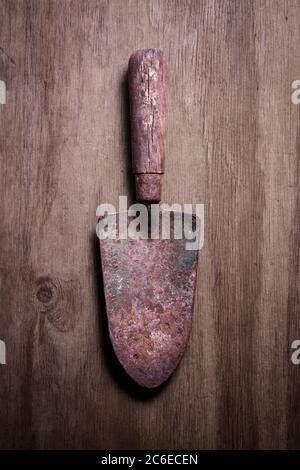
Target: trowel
149 273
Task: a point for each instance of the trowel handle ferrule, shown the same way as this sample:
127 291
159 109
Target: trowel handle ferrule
147 77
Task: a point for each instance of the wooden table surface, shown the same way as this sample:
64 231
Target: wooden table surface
233 144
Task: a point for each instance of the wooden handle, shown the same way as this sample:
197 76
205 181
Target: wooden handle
147 75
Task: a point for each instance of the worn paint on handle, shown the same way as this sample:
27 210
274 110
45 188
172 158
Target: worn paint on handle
147 77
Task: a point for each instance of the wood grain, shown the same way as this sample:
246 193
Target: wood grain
232 144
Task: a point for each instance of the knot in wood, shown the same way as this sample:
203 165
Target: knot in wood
46 293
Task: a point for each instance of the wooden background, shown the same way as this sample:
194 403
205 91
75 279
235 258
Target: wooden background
233 144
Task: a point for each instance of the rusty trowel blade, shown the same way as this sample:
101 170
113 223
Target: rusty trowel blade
149 292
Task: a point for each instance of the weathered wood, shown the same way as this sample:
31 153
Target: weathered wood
232 144
147 93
